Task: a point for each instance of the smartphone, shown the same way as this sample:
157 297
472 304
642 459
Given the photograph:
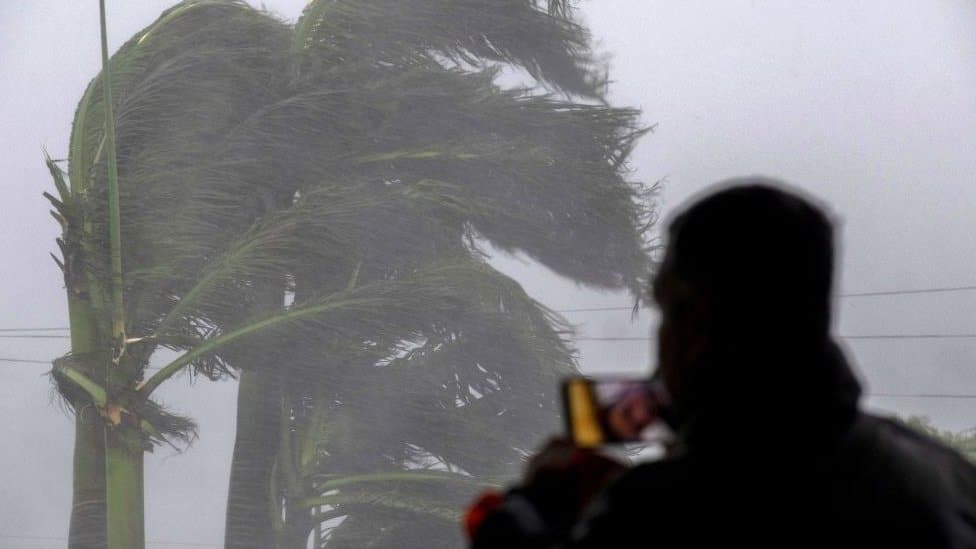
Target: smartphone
613 410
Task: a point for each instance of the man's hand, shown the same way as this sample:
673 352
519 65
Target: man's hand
562 479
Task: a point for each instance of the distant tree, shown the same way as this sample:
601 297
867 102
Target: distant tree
964 441
300 206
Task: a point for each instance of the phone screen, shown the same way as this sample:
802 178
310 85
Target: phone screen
613 410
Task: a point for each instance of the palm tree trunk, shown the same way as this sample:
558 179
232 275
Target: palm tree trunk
249 522
124 488
87 527
294 533
125 517
300 526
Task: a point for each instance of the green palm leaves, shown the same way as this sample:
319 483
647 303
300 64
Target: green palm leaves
301 206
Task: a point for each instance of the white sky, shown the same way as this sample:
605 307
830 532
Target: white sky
869 105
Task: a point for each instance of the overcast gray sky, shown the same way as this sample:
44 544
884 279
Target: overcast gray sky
869 105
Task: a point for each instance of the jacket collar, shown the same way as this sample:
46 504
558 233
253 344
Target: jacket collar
805 402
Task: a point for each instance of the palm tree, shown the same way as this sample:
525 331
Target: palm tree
299 206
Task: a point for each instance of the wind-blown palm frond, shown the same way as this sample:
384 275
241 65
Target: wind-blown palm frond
435 501
548 44
177 84
381 311
549 176
328 224
472 393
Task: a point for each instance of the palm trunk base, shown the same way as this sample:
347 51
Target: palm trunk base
87 528
250 503
124 489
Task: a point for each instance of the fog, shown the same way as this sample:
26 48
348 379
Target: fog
869 106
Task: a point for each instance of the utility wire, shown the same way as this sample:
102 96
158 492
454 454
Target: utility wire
593 309
611 339
644 338
619 308
629 308
34 336
907 292
148 541
885 395
911 336
923 395
878 336
853 294
34 329
48 362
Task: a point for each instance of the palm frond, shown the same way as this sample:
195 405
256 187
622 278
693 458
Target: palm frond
387 310
474 390
328 225
421 497
175 85
550 176
548 44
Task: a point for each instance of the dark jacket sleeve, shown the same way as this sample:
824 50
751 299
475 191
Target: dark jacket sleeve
621 514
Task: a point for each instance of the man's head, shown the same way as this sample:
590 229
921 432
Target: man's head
744 288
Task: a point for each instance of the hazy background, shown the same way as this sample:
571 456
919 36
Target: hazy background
870 105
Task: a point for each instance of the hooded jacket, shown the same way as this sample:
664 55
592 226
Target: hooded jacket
804 467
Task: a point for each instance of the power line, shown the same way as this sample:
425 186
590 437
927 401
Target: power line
911 336
852 294
611 339
943 289
34 329
155 542
907 292
48 362
34 336
876 336
644 338
884 395
593 309
923 395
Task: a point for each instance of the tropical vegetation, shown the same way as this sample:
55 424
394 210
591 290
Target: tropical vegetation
303 207
963 441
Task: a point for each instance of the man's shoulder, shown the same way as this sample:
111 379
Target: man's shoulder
892 440
898 454
878 456
883 481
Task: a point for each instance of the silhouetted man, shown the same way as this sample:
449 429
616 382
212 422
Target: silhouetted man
771 448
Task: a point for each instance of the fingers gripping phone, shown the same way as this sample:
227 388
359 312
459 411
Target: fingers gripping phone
609 410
